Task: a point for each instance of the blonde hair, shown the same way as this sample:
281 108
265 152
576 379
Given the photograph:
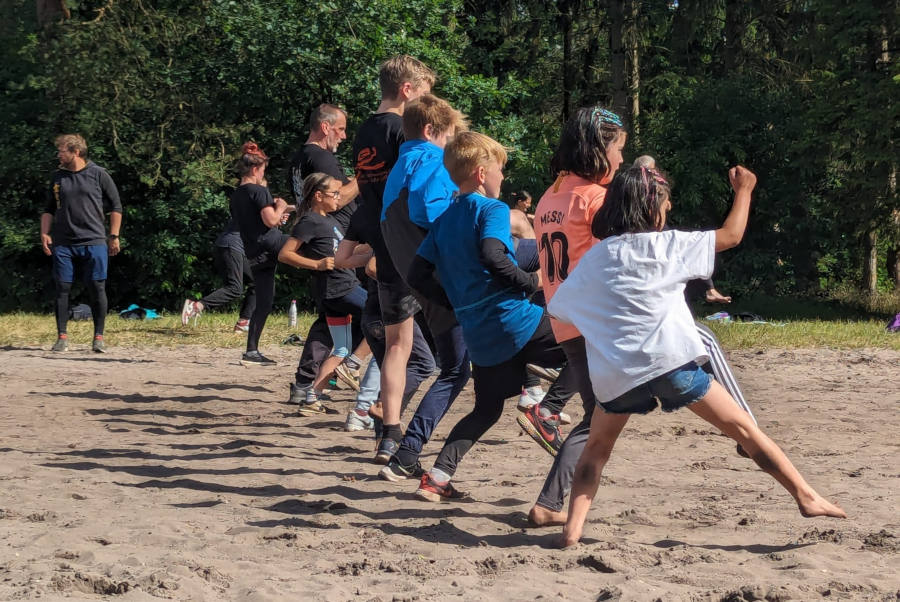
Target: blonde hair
400 69
468 151
72 142
436 111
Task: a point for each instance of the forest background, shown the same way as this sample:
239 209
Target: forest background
802 92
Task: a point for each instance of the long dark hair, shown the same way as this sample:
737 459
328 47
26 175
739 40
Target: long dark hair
585 138
633 203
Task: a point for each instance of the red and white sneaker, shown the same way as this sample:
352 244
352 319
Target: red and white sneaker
190 310
543 429
431 491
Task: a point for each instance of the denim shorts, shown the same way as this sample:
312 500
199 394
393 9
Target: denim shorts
671 391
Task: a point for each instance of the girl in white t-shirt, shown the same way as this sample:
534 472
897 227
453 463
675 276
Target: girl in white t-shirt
626 298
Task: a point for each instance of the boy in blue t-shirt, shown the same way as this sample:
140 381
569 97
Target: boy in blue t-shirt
471 249
417 191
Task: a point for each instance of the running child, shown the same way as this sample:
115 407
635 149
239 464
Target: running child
626 298
335 288
471 249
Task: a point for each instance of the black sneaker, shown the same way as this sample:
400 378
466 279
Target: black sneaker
387 447
255 358
394 471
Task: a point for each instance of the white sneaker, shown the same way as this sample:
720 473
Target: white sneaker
357 422
189 310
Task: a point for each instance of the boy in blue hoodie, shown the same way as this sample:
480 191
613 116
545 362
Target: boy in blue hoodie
417 192
470 247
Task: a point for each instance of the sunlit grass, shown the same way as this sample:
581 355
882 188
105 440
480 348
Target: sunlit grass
212 330
806 333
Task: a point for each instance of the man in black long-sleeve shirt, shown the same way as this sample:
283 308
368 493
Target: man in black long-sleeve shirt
73 232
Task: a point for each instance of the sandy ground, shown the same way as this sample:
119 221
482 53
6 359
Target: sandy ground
180 474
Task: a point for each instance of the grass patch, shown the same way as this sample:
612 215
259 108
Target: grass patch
843 321
212 330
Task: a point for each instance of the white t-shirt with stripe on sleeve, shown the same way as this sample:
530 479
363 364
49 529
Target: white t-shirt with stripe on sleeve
627 298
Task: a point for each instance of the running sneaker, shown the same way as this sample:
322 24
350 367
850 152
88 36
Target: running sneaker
387 447
527 401
98 346
348 376
543 429
242 325
61 344
548 374
189 310
431 491
395 472
358 422
311 409
255 358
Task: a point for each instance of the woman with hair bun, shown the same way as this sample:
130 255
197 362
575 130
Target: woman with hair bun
258 216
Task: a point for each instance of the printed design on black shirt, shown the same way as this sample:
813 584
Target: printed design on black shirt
338 237
365 158
56 194
556 248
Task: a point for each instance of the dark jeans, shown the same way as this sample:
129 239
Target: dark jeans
316 348
453 377
493 385
234 267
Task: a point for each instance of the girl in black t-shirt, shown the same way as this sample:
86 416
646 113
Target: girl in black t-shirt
335 288
258 216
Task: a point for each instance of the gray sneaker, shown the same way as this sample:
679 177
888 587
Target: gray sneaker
61 344
98 346
358 422
298 393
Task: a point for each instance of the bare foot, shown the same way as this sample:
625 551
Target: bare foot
819 506
544 517
376 410
567 540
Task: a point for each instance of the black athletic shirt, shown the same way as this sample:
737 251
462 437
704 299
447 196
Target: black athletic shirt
312 158
246 203
375 150
78 202
319 236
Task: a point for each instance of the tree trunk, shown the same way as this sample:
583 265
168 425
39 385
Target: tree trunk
634 71
870 269
48 10
565 9
736 21
617 55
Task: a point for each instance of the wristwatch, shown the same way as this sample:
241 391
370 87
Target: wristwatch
114 237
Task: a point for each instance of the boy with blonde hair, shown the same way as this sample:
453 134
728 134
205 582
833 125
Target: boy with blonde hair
471 249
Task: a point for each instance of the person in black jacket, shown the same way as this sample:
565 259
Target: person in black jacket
73 232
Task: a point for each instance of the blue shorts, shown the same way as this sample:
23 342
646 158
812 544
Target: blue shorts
671 391
93 260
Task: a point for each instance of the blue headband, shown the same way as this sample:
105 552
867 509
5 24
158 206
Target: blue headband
606 117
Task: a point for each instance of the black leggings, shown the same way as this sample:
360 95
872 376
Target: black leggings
493 385
234 267
264 280
99 304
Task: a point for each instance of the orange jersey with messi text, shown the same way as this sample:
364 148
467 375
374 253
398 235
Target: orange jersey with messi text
562 225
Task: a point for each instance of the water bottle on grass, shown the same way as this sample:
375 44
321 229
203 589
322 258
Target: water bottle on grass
292 314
